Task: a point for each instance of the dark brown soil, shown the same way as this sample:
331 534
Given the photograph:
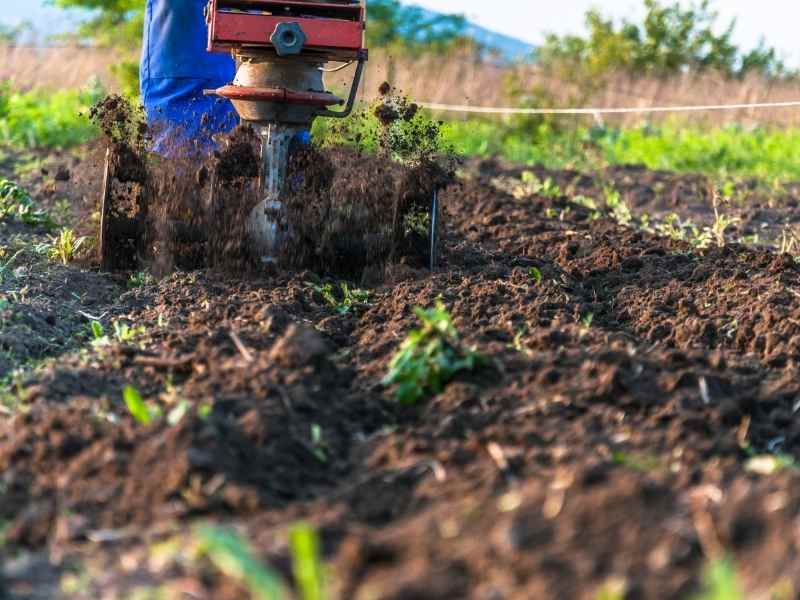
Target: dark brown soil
607 447
352 215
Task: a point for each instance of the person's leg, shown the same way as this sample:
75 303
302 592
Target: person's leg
175 69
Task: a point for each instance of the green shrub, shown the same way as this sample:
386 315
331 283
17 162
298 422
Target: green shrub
430 357
671 39
44 119
17 204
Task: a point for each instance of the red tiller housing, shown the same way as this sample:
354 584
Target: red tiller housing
333 30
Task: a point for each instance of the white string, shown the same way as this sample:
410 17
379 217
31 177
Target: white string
602 111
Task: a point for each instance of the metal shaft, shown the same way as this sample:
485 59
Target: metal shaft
267 225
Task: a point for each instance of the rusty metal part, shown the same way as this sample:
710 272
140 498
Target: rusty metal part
236 92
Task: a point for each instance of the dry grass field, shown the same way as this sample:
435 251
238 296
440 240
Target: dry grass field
457 79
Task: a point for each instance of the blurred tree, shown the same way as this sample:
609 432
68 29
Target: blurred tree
391 23
671 39
11 34
116 23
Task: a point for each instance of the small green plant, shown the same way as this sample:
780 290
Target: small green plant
98 335
638 462
619 210
65 246
144 413
550 190
721 221
430 357
124 333
17 204
612 590
720 582
585 202
139 279
307 567
535 274
204 410
344 299
587 321
318 443
530 185
518 344
233 556
6 263
62 211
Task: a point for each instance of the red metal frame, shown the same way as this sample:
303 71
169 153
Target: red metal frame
335 31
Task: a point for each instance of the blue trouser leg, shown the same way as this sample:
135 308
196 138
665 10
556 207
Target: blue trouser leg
175 69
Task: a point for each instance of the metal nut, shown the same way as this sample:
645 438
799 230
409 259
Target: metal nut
288 39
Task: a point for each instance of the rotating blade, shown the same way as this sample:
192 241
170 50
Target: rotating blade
267 225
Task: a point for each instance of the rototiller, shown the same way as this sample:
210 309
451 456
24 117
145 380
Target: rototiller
281 48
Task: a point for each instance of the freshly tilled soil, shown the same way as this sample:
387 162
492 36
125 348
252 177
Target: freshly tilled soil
608 445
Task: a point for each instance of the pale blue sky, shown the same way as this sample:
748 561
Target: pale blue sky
777 20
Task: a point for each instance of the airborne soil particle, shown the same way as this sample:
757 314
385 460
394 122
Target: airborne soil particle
349 213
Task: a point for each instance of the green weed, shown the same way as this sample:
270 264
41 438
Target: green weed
638 462
618 208
535 274
139 279
98 335
65 246
309 574
720 582
17 204
144 412
7 263
46 119
124 333
430 357
232 555
342 298
318 443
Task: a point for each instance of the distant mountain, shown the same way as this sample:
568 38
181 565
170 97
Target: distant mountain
509 47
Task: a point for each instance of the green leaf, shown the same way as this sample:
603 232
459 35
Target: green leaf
720 582
429 358
306 562
97 330
177 414
536 274
233 556
136 405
